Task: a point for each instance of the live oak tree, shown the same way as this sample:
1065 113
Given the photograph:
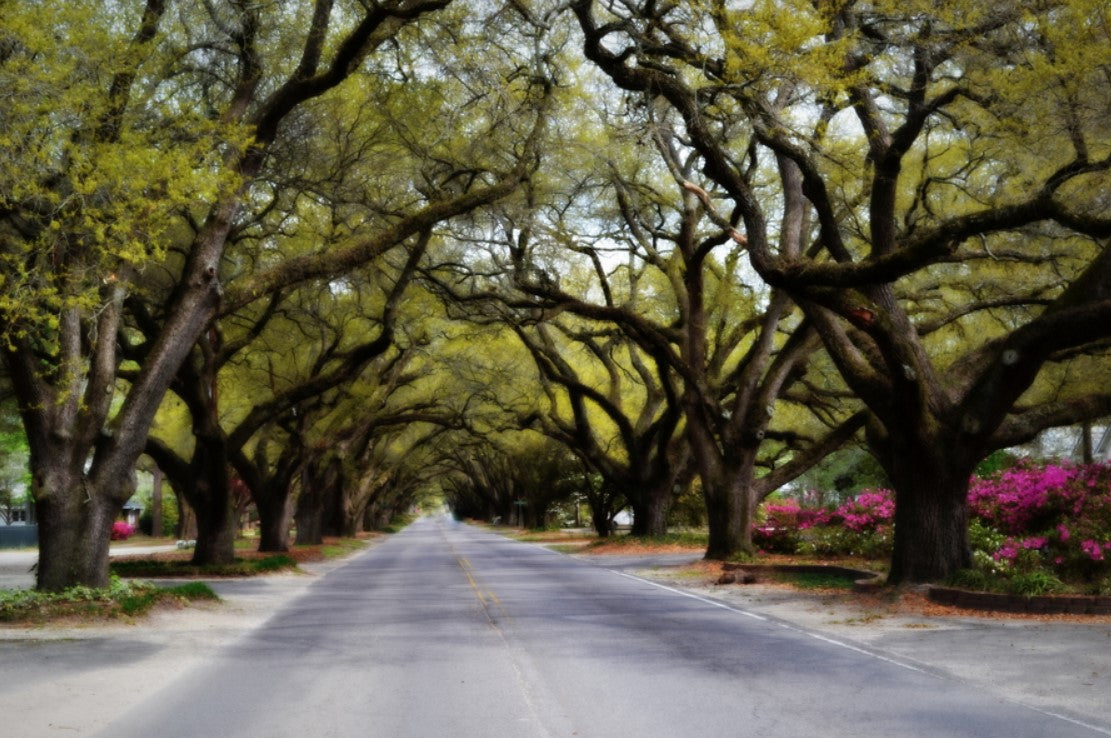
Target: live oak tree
514 477
665 276
624 422
132 118
956 155
250 376
341 171
357 449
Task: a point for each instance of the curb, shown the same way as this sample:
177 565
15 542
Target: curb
1038 604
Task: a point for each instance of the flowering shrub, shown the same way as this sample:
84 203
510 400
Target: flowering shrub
1057 515
777 527
836 540
868 512
121 531
1030 526
861 526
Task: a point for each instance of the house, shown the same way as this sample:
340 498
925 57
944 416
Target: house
17 525
17 513
132 511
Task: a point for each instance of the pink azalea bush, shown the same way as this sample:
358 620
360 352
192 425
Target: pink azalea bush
121 531
861 526
1061 511
868 512
777 526
1040 522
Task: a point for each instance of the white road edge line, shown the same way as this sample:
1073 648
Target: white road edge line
850 647
832 641
780 623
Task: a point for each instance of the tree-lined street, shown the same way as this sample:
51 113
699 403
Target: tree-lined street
448 630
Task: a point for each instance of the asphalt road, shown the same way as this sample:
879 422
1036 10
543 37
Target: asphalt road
445 630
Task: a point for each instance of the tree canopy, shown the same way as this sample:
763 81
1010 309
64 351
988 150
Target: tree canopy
649 243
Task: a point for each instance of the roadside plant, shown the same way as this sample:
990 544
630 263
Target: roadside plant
868 512
860 526
777 527
1056 516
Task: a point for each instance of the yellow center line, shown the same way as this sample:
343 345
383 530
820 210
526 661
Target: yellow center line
485 596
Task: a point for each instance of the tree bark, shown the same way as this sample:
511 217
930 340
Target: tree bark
156 502
273 519
309 519
930 473
729 508
210 495
186 529
650 509
311 505
931 528
74 532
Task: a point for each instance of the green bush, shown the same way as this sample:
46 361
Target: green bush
169 517
120 597
193 591
840 541
1032 583
241 567
975 579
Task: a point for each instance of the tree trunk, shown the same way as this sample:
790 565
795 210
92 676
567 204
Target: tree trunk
650 510
729 512
377 516
309 516
353 522
931 523
210 495
602 517
156 503
273 518
74 529
186 529
310 520
334 518
727 488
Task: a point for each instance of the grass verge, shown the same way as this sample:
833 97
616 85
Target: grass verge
682 539
815 580
339 547
121 599
181 568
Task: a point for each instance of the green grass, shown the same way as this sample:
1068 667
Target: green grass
680 538
815 580
119 599
240 568
567 548
342 547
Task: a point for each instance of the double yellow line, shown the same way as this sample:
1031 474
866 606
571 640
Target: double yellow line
486 597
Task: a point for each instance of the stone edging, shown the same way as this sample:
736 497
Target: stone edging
863 581
1041 605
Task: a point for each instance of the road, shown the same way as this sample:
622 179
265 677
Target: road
445 630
